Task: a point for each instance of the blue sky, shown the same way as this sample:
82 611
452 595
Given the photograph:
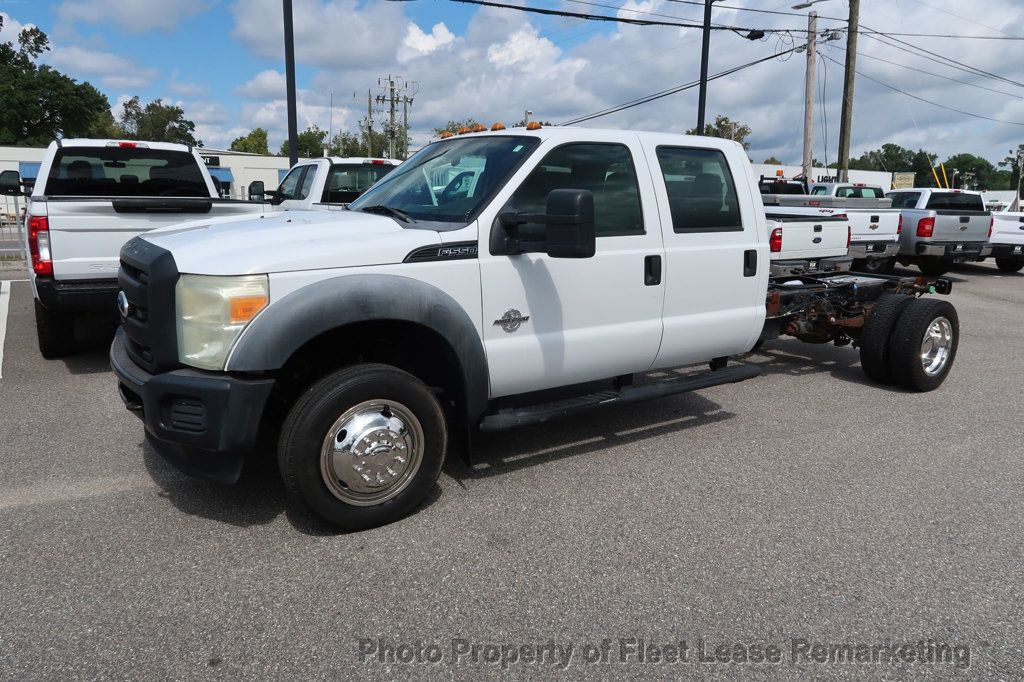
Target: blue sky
222 61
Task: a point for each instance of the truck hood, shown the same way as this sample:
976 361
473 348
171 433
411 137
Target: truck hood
289 240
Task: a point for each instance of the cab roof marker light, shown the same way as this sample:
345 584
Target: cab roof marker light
498 126
479 128
446 134
534 125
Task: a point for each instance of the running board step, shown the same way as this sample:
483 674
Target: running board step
538 414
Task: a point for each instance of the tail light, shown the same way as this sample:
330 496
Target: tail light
849 236
899 228
39 245
925 227
991 224
775 240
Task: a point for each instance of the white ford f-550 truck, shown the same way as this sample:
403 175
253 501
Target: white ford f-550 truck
448 298
91 197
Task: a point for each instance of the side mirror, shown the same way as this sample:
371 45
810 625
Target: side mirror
570 221
10 183
569 227
257 190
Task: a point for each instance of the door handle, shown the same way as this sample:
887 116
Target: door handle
652 271
749 263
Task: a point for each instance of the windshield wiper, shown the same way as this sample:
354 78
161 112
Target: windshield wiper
388 211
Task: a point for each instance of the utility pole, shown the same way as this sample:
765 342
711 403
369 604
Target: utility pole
702 98
846 119
289 68
395 91
811 76
369 123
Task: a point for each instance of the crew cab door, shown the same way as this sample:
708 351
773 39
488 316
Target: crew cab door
558 321
716 265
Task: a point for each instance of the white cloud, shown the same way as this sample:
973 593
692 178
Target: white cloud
418 43
131 16
269 84
328 34
185 88
113 71
11 28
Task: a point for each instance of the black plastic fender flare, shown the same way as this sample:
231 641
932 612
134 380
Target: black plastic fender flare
288 324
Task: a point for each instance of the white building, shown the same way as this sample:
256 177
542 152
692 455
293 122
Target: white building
884 180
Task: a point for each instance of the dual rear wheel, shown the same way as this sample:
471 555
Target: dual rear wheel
910 342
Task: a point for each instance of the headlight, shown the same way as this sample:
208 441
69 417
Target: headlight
212 312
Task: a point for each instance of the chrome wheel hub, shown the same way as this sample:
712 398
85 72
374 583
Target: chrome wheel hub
372 452
936 346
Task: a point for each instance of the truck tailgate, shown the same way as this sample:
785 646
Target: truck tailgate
809 236
86 235
965 226
1008 228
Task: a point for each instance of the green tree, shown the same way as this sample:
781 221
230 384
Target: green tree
40 103
772 161
725 128
1012 163
971 172
354 144
254 142
158 122
311 143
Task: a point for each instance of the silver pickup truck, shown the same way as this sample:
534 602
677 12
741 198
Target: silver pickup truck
942 227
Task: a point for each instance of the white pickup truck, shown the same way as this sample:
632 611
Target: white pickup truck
1007 240
91 197
325 183
451 296
875 226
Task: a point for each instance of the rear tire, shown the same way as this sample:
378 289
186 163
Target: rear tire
933 268
55 332
1010 264
874 338
878 266
363 446
923 345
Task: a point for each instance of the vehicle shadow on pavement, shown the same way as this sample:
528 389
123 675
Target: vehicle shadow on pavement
257 499
94 337
793 358
496 454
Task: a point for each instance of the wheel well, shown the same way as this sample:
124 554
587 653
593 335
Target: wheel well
412 347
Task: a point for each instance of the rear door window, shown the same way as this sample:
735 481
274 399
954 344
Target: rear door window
701 192
346 181
904 199
955 201
125 172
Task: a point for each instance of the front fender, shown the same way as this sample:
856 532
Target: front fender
287 325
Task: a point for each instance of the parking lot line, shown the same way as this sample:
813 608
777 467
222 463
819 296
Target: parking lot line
5 299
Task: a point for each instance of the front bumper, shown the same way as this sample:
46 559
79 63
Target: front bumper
202 422
806 266
80 296
864 250
957 252
1007 250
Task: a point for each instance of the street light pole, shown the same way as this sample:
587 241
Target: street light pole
812 55
702 97
846 118
289 68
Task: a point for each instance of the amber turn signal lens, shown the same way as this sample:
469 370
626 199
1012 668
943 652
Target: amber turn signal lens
244 308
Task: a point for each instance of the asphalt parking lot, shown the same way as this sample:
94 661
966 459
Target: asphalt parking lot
806 504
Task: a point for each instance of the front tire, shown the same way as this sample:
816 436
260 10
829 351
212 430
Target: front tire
874 337
363 446
933 267
55 332
923 345
1010 264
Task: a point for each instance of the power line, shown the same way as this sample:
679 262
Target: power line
929 73
671 91
928 101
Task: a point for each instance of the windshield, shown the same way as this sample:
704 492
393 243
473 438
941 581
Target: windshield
449 181
131 171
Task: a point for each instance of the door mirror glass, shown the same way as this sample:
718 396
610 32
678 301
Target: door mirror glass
257 190
10 183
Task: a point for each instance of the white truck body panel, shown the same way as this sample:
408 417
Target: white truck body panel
1008 229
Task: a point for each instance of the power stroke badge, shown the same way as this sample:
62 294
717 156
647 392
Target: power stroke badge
511 320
